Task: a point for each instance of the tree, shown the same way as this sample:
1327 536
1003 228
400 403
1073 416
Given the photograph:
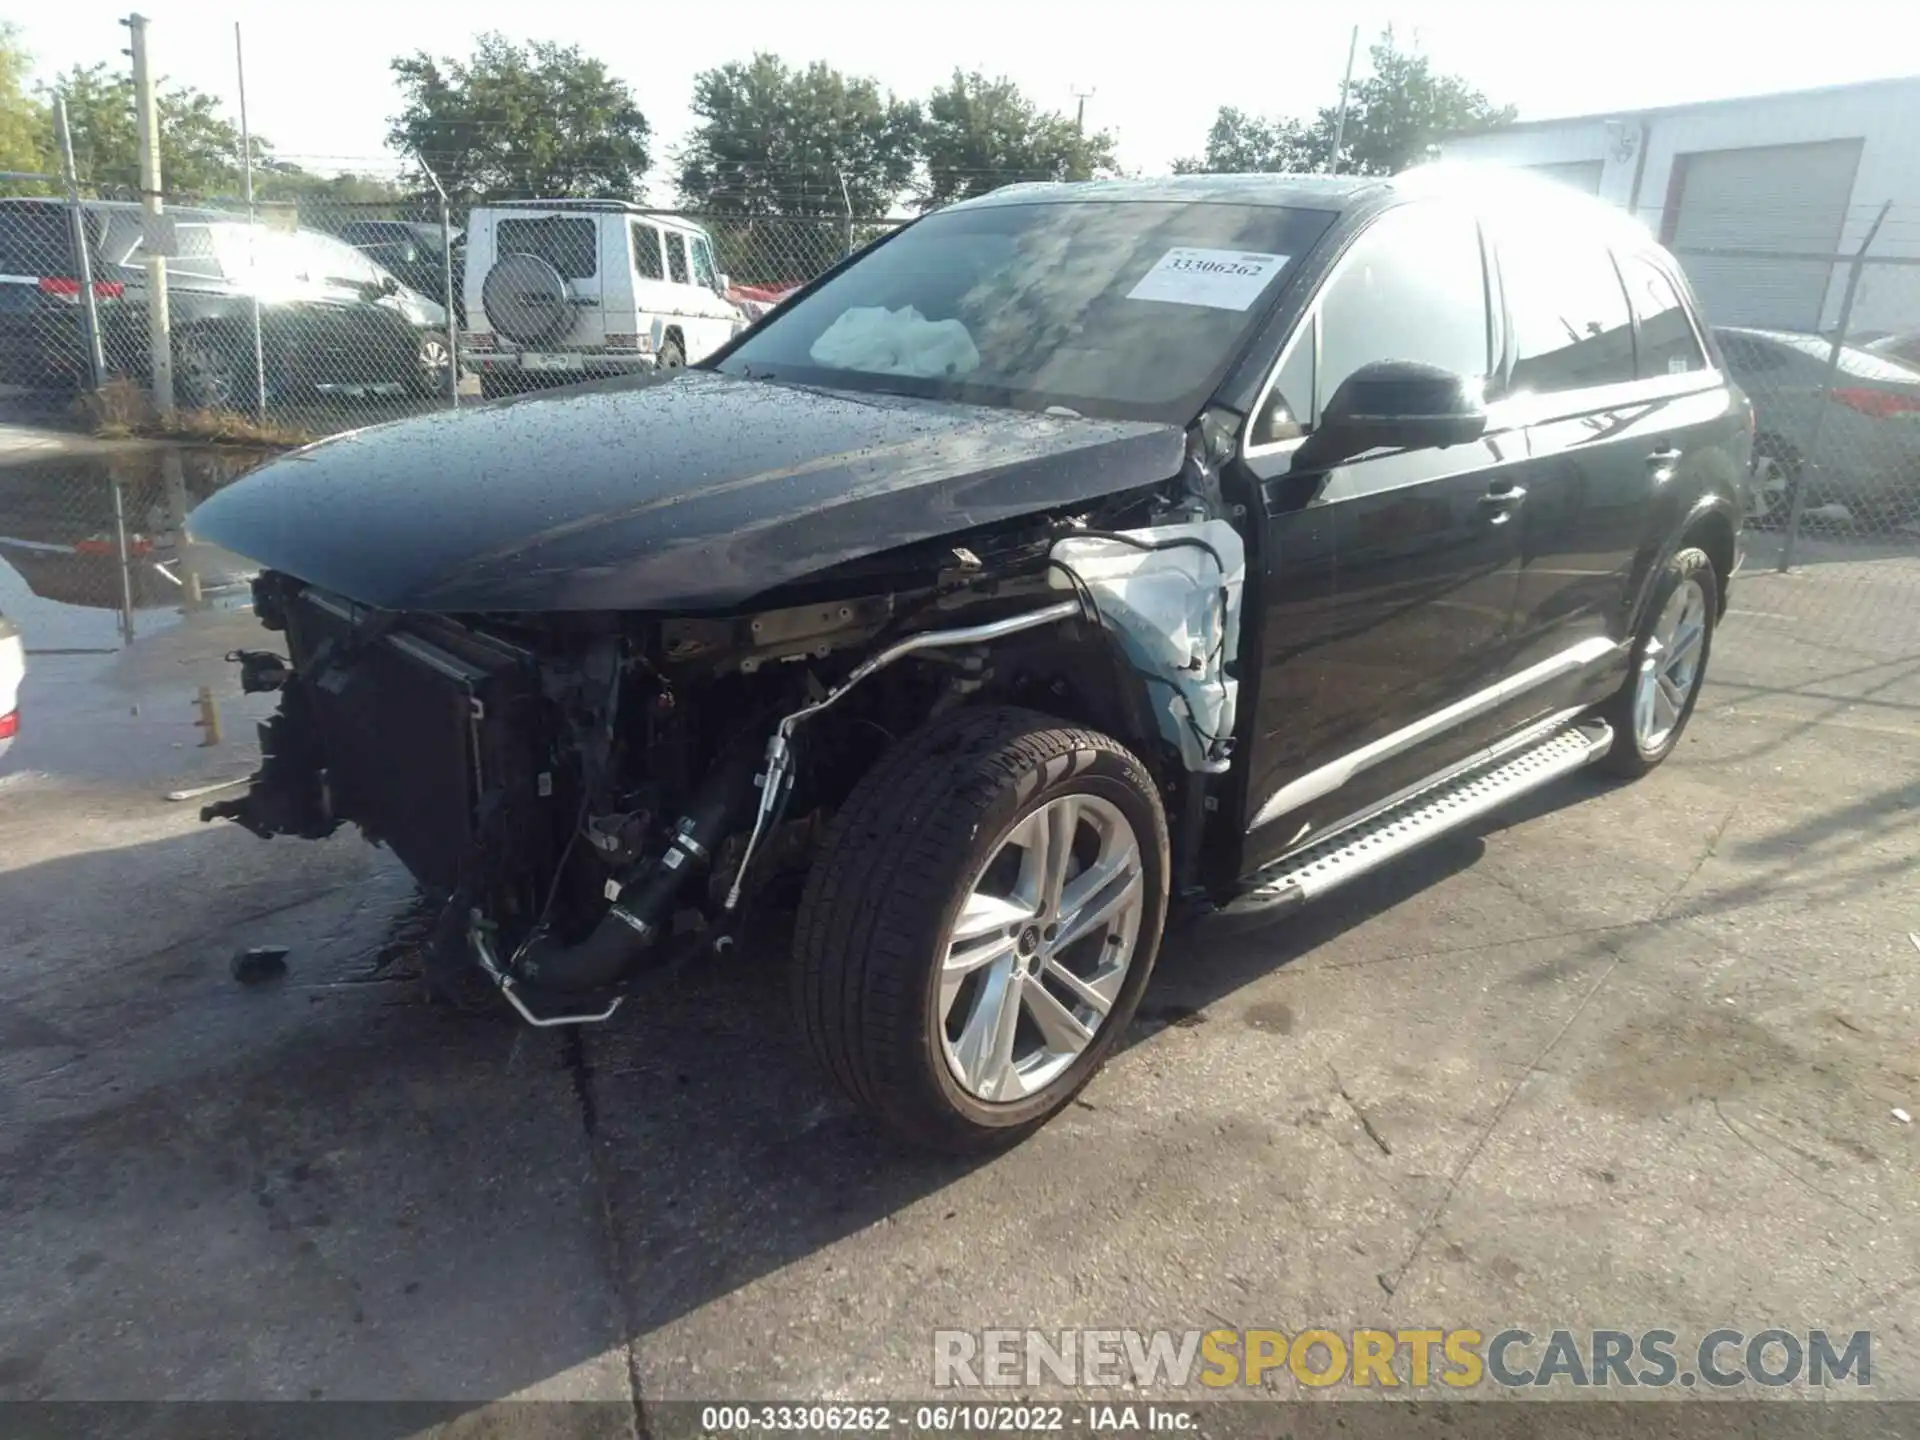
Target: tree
281 180
23 119
772 140
200 151
1243 144
1401 108
1394 113
981 134
537 120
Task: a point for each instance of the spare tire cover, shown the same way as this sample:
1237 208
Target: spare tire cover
526 300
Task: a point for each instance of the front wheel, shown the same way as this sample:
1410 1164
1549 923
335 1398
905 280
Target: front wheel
207 371
978 928
1651 710
433 364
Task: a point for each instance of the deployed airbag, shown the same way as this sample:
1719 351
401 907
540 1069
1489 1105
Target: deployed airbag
879 341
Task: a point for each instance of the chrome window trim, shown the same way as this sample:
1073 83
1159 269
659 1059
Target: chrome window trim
1309 324
1311 316
1326 779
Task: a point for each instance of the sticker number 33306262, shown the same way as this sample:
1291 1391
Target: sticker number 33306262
1221 279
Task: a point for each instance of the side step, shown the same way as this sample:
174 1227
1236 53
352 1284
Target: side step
1309 873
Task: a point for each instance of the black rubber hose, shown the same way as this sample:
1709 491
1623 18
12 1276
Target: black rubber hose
635 922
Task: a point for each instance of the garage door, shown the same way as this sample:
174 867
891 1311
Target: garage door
1581 174
1771 197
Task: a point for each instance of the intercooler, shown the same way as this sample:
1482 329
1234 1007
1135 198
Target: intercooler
430 732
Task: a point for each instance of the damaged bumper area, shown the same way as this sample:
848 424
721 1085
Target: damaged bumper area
574 790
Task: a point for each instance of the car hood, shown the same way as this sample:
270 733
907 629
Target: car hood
693 493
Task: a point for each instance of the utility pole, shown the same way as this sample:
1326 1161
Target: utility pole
1080 111
1346 86
159 327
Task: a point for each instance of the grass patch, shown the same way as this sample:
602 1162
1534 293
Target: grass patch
122 410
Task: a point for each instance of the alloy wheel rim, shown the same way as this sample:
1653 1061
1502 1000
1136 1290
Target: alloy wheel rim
1034 963
1769 492
208 380
1670 666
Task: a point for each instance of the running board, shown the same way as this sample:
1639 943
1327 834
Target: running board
1309 873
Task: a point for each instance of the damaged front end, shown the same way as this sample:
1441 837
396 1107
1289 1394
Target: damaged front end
576 790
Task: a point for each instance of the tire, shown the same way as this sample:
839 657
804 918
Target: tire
1777 474
527 300
671 357
908 855
431 367
1643 737
208 373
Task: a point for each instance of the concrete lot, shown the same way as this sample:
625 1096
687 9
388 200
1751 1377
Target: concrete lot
1626 1057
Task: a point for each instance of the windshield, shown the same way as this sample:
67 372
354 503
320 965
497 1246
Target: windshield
1123 309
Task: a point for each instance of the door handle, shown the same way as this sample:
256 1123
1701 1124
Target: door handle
1663 459
1502 500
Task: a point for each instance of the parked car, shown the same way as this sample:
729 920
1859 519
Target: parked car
756 300
13 670
1868 455
1075 553
332 321
1904 348
42 331
558 291
411 251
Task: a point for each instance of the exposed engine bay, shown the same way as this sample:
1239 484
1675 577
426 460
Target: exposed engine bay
575 790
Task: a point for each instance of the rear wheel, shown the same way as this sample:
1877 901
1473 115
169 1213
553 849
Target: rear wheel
1652 708
672 357
977 931
433 362
1776 475
207 373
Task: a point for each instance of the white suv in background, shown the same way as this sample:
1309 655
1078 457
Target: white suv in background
558 291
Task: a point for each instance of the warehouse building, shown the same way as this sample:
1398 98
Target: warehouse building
1757 195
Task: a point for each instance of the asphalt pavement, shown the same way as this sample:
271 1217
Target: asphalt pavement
1627 1056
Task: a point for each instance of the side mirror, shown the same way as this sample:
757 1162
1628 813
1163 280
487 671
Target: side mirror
1396 405
722 283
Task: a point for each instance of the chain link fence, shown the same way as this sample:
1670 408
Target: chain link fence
1826 343
289 321
286 321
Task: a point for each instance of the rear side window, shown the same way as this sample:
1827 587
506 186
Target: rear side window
195 253
569 243
1571 325
1668 344
677 257
1413 287
35 240
646 252
1746 356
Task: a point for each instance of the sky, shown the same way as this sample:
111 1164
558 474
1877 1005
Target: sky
319 87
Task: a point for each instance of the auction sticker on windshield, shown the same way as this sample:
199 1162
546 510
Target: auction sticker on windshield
1220 279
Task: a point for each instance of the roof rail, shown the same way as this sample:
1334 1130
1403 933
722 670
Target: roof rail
626 207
